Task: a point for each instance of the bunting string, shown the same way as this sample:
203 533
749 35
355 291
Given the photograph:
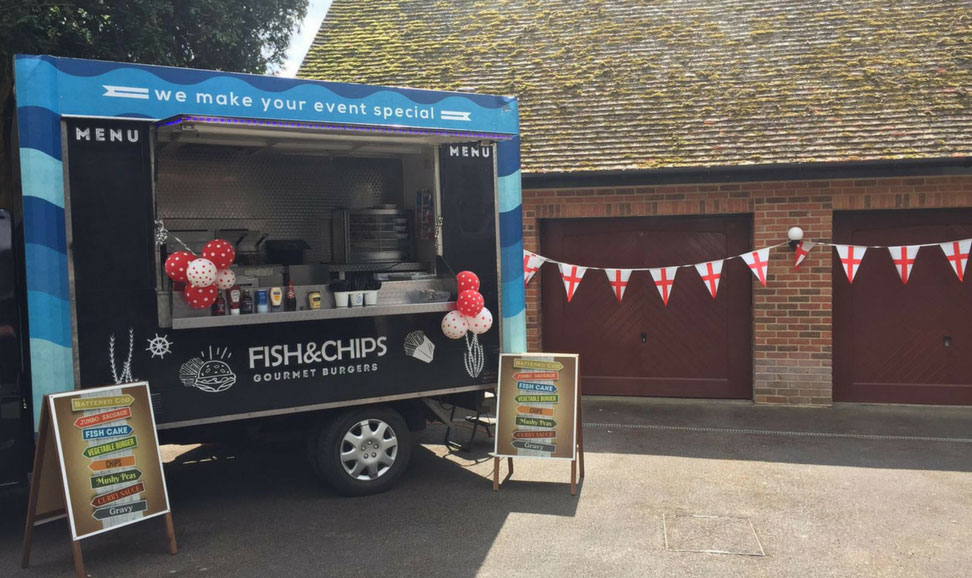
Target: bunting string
536 260
850 256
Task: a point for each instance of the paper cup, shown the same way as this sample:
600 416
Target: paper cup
371 297
356 299
341 298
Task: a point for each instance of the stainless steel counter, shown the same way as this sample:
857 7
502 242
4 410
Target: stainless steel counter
310 315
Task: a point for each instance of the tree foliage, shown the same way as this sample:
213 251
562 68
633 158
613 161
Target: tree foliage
243 36
234 35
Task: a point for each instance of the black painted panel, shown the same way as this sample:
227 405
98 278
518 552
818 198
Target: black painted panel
112 240
213 372
469 213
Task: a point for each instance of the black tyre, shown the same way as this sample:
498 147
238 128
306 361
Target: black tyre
361 451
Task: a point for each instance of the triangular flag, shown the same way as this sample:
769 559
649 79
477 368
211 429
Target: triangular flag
850 258
664 278
572 275
758 261
801 251
957 253
531 264
711 272
904 260
618 279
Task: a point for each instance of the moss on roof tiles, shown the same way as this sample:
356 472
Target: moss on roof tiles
680 82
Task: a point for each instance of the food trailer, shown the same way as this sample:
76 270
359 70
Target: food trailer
347 211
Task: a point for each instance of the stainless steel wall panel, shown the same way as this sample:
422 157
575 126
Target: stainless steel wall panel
286 195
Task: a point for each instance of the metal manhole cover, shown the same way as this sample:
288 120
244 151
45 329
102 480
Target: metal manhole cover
711 535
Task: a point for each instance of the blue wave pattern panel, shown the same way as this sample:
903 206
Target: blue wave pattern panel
42 182
95 88
511 245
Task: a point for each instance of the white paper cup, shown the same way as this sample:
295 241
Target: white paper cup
371 297
356 298
341 298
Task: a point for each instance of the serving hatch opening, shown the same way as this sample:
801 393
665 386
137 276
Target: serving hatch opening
311 203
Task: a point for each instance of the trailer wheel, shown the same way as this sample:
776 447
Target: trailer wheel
361 451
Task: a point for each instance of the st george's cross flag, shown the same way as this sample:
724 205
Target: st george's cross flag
957 253
850 259
664 278
711 272
618 279
801 251
758 261
572 275
904 259
531 264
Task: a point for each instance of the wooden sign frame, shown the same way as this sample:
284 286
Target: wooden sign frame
50 497
577 454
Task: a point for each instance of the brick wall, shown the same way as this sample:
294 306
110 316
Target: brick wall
792 348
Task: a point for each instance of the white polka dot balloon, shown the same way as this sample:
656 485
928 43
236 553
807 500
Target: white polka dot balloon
454 325
481 323
201 273
225 279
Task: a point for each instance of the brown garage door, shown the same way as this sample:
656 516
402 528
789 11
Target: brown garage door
695 347
896 343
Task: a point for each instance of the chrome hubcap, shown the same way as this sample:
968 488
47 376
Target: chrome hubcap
368 449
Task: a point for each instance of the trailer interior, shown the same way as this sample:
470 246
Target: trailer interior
311 204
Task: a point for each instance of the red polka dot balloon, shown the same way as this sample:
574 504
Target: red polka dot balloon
470 303
201 297
220 252
176 265
454 325
467 281
201 273
481 323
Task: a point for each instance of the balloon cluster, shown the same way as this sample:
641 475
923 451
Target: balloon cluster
205 275
470 314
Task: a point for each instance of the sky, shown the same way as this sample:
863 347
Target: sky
316 9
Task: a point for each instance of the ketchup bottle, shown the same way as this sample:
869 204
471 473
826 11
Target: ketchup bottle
233 296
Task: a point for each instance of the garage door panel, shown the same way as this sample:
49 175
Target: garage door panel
896 343
898 326
659 387
918 358
955 394
696 347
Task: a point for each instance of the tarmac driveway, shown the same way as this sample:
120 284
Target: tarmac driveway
673 488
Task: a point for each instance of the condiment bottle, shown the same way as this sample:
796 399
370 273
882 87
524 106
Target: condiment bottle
219 306
246 303
262 301
276 298
233 296
291 302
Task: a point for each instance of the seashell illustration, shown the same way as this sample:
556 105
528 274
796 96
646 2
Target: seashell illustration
189 371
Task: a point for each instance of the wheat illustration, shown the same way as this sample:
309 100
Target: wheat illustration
126 368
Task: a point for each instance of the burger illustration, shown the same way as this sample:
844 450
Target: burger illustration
212 376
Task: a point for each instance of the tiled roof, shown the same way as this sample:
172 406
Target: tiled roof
609 85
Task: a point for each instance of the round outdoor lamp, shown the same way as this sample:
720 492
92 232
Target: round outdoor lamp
795 235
